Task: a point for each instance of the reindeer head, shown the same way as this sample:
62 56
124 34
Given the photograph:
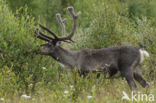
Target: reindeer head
53 42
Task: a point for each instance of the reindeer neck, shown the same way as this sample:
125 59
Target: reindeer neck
64 56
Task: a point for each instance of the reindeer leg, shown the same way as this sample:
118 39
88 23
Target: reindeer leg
138 77
127 72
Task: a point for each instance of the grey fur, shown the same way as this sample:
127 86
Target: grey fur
123 59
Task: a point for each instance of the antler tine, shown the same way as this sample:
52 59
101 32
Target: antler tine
74 16
45 28
41 36
61 22
56 38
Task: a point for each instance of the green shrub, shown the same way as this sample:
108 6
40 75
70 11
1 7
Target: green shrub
19 66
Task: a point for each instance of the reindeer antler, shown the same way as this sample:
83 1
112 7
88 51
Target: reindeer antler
61 22
48 30
75 17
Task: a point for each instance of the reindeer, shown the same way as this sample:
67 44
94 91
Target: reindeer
123 59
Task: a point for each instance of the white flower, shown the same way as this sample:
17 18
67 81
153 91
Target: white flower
44 68
30 85
25 96
89 97
2 99
49 82
66 92
71 86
